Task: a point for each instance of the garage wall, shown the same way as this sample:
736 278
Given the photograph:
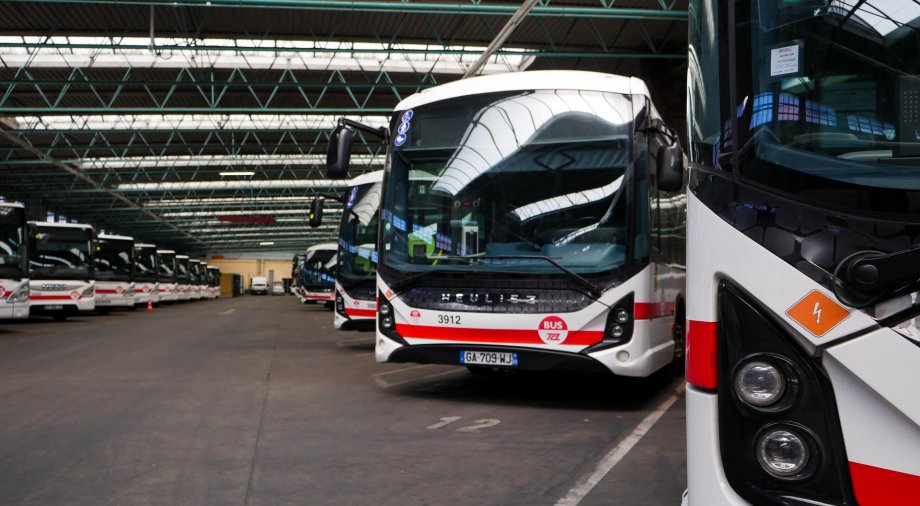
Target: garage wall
249 267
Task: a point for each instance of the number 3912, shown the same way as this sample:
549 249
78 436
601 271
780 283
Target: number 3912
449 319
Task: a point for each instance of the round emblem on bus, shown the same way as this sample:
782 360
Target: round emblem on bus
403 127
415 315
119 289
553 330
400 140
407 116
74 295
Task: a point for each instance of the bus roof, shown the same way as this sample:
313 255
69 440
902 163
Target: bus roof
116 237
367 178
144 245
12 204
522 81
60 225
166 251
181 256
324 246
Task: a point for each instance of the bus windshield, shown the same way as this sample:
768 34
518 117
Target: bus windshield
318 268
60 253
145 263
113 259
483 182
166 263
358 234
836 91
12 227
182 274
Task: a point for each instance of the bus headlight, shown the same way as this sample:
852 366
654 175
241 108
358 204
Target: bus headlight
782 453
387 322
339 303
621 316
616 331
385 309
89 291
760 383
20 295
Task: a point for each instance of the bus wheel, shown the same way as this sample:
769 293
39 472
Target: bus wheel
60 317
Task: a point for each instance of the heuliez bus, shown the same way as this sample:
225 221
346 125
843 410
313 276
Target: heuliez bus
532 220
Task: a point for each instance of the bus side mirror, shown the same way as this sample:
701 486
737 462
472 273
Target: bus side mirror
670 167
316 212
339 152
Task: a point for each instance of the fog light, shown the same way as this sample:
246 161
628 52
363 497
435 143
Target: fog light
387 321
384 309
623 356
616 331
622 316
760 384
782 453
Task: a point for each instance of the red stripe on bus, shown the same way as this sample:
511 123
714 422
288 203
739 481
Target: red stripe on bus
652 310
370 313
702 353
318 297
498 336
51 297
875 486
107 290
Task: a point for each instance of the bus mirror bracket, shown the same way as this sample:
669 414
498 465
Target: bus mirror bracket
338 153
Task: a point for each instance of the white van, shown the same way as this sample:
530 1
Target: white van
259 286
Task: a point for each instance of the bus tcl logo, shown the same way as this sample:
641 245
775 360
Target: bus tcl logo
553 330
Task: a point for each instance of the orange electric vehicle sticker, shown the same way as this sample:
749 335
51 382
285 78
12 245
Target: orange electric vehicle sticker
818 313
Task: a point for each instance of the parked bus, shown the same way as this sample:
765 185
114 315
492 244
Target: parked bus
115 272
194 271
523 226
356 268
214 281
167 280
317 276
62 277
14 258
804 212
183 278
147 285
296 266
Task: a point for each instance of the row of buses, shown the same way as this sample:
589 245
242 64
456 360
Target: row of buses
547 220
60 269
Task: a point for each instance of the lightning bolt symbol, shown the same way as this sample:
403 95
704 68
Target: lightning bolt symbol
817 311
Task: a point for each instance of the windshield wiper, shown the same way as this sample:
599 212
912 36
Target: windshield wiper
593 289
866 277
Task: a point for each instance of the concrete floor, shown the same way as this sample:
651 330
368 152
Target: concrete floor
257 400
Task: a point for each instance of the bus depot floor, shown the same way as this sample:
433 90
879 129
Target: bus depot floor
257 400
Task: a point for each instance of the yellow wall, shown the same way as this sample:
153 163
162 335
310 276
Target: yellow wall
247 268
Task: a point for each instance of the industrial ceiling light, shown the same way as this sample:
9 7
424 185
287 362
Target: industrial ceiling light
173 122
229 161
266 243
240 173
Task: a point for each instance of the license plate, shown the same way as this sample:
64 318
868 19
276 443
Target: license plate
103 302
493 358
53 308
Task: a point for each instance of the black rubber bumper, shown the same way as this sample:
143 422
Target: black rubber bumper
528 359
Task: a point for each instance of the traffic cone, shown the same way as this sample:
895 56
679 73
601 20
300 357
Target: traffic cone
149 306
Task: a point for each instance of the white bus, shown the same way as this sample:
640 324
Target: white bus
214 281
14 270
62 278
356 266
146 279
183 279
317 275
803 357
167 279
204 280
115 272
195 281
530 221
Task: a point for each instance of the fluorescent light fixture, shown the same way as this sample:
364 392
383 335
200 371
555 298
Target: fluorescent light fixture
230 185
267 243
276 55
136 122
238 173
135 162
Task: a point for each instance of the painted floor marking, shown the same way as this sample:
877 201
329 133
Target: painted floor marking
229 311
383 383
586 484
